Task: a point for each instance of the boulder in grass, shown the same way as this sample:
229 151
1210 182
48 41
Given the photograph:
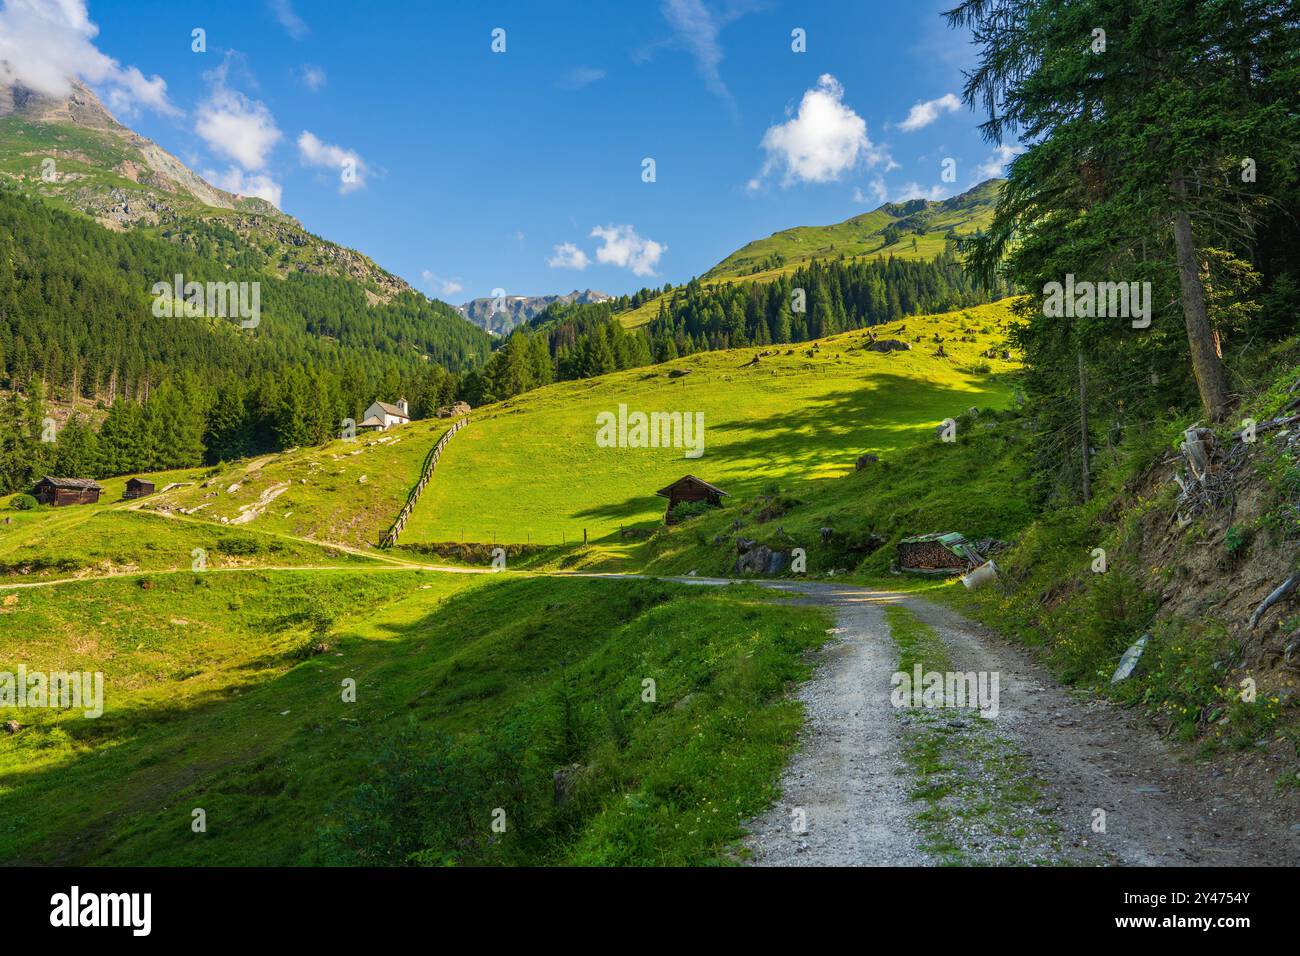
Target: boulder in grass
888 345
565 781
456 410
753 560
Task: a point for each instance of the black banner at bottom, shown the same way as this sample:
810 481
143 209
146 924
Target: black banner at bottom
227 905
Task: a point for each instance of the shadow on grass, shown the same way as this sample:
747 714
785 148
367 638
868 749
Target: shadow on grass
267 758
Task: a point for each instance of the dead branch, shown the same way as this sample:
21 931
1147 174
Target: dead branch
1285 588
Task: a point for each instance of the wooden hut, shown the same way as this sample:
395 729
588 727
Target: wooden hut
67 491
138 488
689 488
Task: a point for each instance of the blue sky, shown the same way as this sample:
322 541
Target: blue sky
522 170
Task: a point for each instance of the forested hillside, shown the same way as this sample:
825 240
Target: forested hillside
77 326
583 340
1182 177
837 296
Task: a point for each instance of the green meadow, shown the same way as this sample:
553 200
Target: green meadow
117 537
611 721
661 706
529 469
977 484
346 492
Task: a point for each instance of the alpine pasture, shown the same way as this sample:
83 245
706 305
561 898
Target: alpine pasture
530 470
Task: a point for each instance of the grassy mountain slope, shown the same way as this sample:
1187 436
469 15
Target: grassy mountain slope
917 229
867 236
347 492
124 181
1193 586
977 484
530 469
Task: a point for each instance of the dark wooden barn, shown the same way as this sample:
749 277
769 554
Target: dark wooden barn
67 491
138 488
689 488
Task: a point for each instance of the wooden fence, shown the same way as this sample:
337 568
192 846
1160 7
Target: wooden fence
430 464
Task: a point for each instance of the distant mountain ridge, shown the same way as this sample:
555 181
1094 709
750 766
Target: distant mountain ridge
486 314
94 217
918 229
915 229
125 181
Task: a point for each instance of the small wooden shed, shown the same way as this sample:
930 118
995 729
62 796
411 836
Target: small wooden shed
689 488
138 488
67 491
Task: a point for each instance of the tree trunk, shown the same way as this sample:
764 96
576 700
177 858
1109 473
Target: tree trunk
1083 430
1210 377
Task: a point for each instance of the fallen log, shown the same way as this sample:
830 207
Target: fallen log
1285 588
1276 423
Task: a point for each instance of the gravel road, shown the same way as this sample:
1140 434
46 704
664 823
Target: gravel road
849 778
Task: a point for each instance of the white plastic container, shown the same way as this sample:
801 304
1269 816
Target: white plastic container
986 573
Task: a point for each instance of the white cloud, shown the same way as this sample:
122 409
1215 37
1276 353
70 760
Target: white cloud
46 44
235 180
697 30
442 286
234 126
923 114
821 142
313 77
293 24
581 76
914 190
352 168
878 192
995 165
568 256
624 248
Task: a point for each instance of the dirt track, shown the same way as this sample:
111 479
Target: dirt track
850 779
